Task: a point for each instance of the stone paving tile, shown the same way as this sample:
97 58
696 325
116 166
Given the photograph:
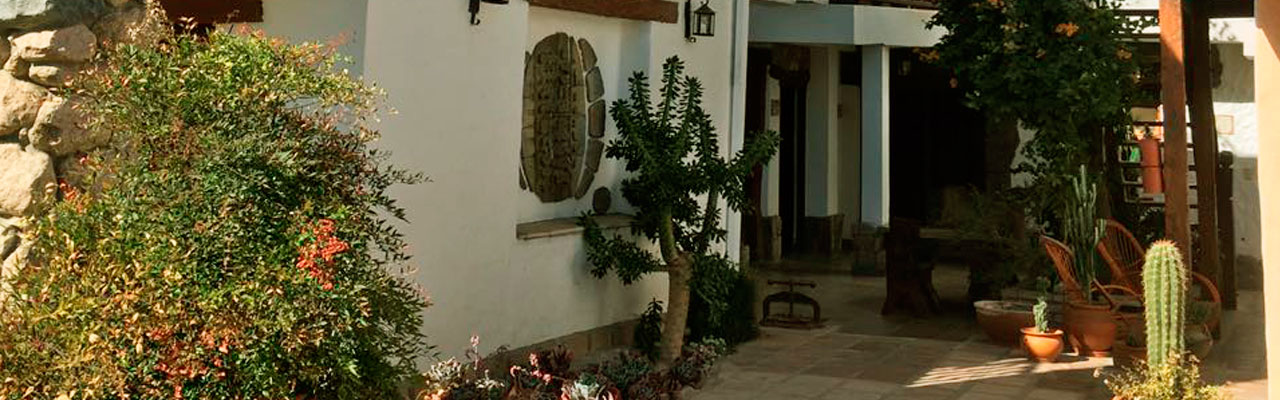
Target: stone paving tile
1050 394
806 386
853 359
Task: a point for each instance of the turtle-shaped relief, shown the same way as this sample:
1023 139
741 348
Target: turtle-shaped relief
564 116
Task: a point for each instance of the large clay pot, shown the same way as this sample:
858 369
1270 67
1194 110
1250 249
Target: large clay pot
1091 327
1042 346
1001 320
1152 176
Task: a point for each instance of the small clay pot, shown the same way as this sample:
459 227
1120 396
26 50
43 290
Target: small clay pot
1042 346
1092 328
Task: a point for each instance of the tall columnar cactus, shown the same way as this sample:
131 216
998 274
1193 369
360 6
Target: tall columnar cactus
1164 279
1083 230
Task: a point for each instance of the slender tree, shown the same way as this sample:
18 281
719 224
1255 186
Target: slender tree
678 176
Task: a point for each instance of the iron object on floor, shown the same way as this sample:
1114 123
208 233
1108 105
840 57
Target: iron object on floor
790 319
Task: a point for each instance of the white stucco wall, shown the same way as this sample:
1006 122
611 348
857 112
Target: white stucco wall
457 90
322 21
850 158
1235 99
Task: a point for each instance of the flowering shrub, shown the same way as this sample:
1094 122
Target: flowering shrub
1062 68
233 244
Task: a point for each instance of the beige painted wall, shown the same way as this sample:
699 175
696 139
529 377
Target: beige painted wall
1267 64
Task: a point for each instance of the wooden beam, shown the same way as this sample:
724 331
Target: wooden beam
213 11
1205 137
645 10
1226 231
1230 8
1173 96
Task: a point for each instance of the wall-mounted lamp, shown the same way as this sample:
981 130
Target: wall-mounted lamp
475 8
700 22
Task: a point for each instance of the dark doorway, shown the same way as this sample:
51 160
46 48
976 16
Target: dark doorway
935 141
791 165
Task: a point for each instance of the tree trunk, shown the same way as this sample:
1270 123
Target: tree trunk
679 272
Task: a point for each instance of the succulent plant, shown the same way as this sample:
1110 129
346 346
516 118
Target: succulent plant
1041 313
1083 230
1164 279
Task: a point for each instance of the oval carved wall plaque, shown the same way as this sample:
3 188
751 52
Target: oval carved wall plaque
563 120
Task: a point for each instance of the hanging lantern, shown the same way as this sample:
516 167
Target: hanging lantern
700 22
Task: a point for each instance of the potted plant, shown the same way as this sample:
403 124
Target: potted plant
1041 343
1088 320
1149 139
1167 374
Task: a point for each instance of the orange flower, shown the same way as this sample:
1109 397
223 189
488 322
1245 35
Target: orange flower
1123 54
1067 29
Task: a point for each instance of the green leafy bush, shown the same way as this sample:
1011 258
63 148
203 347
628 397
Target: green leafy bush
1169 381
723 306
648 333
236 246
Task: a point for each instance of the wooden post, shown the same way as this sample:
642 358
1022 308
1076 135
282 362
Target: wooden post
1205 132
1173 96
1227 230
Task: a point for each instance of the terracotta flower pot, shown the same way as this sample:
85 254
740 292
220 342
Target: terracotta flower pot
1042 346
1091 327
1152 177
1001 320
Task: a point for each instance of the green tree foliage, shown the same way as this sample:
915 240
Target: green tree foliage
236 246
1060 67
678 176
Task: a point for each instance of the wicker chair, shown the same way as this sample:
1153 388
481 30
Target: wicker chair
1064 262
1124 255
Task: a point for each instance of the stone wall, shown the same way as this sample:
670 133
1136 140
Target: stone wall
41 137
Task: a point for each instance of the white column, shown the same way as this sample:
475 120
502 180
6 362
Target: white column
738 117
770 188
822 144
875 135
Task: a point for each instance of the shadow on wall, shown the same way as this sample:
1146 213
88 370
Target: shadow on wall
1248 217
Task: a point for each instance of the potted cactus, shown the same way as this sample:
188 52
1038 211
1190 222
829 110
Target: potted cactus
1041 343
1167 373
1090 322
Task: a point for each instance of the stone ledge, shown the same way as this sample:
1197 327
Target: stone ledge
568 226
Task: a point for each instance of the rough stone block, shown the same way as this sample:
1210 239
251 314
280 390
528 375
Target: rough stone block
75 43
52 75
59 129
43 14
588 52
26 177
19 102
595 84
596 119
595 149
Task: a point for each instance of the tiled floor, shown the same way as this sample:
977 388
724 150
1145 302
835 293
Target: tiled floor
862 355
